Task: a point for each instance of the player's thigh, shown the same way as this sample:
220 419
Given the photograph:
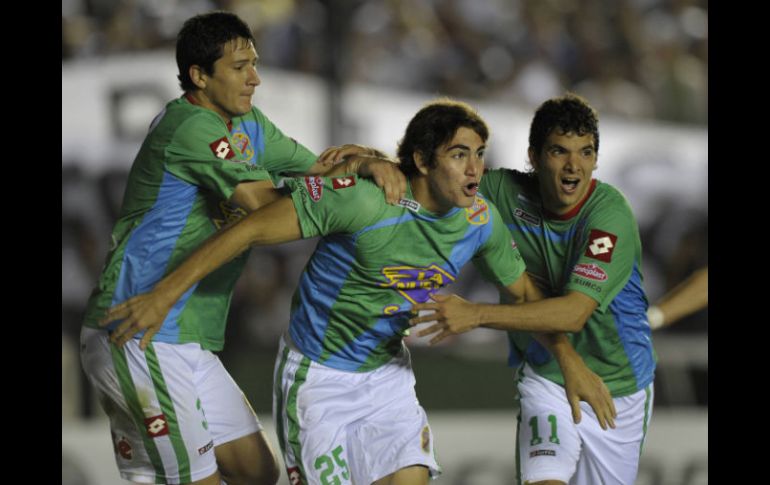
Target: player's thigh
612 456
149 397
549 445
412 475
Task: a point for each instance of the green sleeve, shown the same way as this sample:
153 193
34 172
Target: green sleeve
282 155
608 249
202 153
323 209
499 260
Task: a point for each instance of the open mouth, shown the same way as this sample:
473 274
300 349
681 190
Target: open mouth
471 189
569 184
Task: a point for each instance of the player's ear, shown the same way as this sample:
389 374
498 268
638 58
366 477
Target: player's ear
420 162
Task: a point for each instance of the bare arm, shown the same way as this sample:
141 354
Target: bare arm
455 315
275 223
687 297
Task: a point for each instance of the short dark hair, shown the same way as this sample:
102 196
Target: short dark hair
569 114
201 42
434 125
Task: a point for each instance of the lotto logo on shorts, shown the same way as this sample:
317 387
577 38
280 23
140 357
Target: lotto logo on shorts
156 426
295 476
600 245
315 187
221 149
343 182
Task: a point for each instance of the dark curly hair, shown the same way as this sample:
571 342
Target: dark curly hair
434 125
569 114
201 42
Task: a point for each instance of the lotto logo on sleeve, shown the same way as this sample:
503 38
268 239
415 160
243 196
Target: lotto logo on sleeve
315 187
156 426
600 245
343 182
222 149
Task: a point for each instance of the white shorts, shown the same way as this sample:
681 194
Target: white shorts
168 406
345 427
552 447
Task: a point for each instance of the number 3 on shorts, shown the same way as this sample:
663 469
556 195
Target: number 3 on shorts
327 464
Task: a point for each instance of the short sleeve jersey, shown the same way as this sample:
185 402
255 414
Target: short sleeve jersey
176 197
375 260
595 249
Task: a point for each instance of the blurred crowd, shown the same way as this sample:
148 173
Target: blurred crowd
631 58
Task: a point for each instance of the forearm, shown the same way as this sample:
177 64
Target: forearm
275 223
549 315
688 297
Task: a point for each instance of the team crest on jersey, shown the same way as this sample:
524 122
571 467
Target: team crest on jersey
416 284
315 187
156 426
425 439
600 245
526 216
590 271
222 148
242 141
343 182
123 447
295 476
478 213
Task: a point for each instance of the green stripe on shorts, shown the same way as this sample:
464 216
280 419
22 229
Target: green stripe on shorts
167 408
278 396
132 400
648 395
300 375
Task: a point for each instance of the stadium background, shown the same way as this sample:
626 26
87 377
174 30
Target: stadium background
356 71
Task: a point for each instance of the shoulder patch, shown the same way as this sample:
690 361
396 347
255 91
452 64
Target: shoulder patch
343 182
600 245
222 149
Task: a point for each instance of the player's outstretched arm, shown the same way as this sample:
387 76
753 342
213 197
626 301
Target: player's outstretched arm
273 224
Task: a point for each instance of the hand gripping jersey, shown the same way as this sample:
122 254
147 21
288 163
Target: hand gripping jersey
176 197
594 249
351 307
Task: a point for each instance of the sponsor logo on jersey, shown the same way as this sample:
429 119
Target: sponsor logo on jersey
295 476
478 213
587 284
242 141
315 187
206 448
414 283
123 447
390 309
526 216
410 204
228 213
590 271
535 453
156 426
600 245
425 439
343 182
222 149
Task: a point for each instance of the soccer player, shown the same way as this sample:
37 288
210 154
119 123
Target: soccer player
175 413
344 404
580 242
